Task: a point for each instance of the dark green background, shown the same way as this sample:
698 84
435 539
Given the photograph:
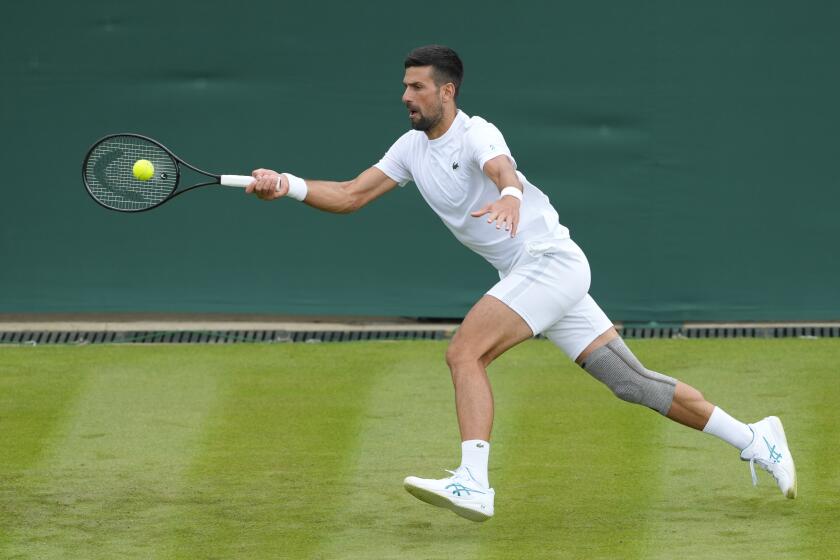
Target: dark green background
690 147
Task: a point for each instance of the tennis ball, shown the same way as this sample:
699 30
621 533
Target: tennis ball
143 169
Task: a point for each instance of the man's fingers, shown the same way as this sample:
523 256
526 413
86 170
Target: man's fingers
260 173
256 175
266 184
504 219
503 216
263 186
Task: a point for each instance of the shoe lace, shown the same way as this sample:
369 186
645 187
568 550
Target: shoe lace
764 465
458 474
463 481
464 474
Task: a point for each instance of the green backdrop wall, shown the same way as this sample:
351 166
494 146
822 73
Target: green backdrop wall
690 147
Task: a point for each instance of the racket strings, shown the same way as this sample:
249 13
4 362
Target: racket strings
110 177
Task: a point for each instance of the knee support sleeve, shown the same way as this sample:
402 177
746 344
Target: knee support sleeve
614 365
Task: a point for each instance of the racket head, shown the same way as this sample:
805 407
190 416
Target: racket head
108 172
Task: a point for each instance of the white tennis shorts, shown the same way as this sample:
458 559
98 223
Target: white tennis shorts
550 292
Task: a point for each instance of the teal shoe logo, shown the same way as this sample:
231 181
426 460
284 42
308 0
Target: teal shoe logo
458 489
775 456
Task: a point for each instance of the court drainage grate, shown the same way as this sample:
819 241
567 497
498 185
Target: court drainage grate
284 336
758 331
34 338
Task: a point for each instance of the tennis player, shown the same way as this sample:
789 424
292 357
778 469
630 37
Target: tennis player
467 174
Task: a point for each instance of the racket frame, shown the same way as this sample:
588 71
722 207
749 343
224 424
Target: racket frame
217 179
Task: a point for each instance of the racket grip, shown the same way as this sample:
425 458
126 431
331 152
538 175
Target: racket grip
236 180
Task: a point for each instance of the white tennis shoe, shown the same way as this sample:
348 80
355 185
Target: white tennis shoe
769 450
459 493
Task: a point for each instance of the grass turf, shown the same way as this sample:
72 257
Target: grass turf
298 451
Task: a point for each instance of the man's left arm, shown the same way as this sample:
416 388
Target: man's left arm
504 210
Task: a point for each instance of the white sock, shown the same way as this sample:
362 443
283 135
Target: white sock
475 453
733 432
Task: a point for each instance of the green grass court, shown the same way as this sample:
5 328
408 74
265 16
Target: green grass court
299 451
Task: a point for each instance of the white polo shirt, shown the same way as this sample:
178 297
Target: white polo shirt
448 172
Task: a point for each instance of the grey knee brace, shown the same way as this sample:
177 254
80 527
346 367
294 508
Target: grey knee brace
614 365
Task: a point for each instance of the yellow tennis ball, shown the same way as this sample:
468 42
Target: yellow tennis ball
143 169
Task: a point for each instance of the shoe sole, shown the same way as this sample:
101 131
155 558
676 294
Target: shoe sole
430 497
780 433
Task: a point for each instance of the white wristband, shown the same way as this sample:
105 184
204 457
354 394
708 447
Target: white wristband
511 191
297 187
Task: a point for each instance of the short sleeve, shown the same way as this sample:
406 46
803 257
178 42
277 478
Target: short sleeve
485 142
394 163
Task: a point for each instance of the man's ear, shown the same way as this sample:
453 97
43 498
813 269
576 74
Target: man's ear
448 91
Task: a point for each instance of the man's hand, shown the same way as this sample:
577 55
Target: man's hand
266 186
502 211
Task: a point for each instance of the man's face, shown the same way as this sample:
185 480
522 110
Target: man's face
422 97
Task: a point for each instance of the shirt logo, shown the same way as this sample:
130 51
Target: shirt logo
455 166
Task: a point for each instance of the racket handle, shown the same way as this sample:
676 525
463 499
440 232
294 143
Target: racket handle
236 180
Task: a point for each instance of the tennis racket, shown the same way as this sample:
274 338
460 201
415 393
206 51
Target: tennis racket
113 181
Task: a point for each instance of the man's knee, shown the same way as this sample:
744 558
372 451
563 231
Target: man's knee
460 353
614 365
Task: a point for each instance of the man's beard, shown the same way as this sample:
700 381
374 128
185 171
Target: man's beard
425 123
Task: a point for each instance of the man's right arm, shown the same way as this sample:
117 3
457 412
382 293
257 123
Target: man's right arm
341 197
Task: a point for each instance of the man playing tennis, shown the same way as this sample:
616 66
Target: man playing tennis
466 173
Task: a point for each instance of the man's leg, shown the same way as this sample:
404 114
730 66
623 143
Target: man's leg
488 330
609 360
689 407
537 293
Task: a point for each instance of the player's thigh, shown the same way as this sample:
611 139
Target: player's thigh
488 330
534 295
543 289
584 325
602 339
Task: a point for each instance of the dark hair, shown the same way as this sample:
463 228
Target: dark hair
446 64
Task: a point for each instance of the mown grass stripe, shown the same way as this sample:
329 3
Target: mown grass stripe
109 486
704 491
272 461
408 428
37 390
812 430
571 461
